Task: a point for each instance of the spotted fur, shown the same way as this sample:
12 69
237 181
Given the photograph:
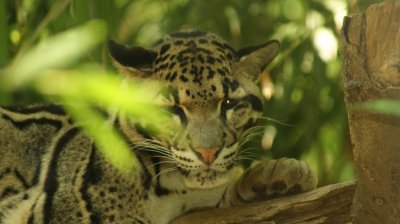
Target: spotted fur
51 172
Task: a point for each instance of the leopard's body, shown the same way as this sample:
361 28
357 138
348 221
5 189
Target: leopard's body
51 172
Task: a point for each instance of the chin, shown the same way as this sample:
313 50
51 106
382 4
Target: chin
207 179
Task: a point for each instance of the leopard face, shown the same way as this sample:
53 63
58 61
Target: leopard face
211 93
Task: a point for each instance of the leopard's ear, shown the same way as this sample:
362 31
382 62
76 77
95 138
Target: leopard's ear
134 61
254 59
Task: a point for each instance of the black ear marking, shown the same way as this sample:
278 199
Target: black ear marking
133 57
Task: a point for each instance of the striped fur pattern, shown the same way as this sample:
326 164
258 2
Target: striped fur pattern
51 172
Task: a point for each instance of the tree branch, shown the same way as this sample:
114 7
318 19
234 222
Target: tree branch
329 204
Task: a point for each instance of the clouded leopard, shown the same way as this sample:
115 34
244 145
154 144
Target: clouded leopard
51 172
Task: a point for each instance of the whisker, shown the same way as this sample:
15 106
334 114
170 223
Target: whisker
153 144
165 171
163 157
242 142
255 129
155 150
162 162
162 150
258 156
250 149
245 158
150 142
143 147
250 136
250 155
277 121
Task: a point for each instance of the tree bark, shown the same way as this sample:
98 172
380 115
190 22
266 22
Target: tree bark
329 204
371 71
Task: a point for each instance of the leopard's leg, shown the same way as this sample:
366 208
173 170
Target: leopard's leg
269 179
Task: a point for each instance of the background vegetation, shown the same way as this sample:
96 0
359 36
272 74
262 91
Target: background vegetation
305 114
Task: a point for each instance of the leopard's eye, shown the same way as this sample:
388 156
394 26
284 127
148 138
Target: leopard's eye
228 103
178 111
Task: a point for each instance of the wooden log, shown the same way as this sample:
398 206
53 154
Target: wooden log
329 204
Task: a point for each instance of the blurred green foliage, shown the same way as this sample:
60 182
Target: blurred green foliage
82 89
307 103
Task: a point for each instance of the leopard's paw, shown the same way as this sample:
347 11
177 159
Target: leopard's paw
274 178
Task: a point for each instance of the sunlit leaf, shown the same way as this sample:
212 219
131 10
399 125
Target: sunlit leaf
105 136
102 89
4 54
381 106
78 89
57 51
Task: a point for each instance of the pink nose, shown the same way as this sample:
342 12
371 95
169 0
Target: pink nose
207 155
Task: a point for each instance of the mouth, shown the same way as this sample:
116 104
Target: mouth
198 174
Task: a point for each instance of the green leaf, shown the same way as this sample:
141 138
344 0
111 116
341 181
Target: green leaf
4 54
57 51
107 139
102 89
381 106
80 90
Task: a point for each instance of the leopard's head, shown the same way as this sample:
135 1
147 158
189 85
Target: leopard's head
212 96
